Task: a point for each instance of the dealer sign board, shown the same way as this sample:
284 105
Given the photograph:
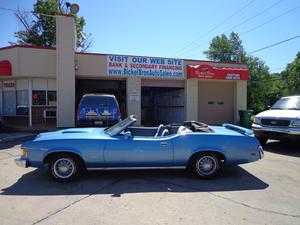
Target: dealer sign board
139 66
209 72
9 85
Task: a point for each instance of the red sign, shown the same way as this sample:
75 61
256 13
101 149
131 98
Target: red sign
9 84
5 68
209 72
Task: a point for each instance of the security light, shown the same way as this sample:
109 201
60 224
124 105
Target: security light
74 8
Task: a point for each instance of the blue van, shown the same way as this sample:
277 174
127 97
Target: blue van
98 110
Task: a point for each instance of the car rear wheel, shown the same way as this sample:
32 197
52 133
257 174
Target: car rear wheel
205 165
64 167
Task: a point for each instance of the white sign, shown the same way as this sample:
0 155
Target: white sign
9 85
119 65
134 98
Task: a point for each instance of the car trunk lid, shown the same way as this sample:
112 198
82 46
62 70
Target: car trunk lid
230 129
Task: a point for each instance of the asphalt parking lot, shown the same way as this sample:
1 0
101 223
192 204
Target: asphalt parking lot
264 192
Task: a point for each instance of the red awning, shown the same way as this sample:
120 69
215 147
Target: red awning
5 68
210 72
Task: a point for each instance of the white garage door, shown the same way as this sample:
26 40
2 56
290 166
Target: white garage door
216 102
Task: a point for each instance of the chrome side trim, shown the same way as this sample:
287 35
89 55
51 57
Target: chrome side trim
137 168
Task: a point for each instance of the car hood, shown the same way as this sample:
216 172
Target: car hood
289 114
73 133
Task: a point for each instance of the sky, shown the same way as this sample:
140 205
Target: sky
179 29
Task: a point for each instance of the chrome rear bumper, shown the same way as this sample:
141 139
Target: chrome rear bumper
261 153
21 162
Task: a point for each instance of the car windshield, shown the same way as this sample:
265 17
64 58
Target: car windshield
287 103
119 127
96 101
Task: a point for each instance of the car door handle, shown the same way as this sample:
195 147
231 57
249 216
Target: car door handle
164 143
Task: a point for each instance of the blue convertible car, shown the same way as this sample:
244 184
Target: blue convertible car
200 148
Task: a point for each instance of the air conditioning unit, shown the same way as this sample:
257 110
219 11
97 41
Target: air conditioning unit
49 113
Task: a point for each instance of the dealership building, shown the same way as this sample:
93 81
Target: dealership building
42 86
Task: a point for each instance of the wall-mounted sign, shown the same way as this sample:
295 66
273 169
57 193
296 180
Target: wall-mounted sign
134 98
119 65
5 68
9 85
209 72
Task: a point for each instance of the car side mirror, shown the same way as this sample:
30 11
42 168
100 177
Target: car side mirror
268 107
127 135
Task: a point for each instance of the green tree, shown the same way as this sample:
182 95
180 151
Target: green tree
40 30
264 89
260 86
226 49
291 77
261 89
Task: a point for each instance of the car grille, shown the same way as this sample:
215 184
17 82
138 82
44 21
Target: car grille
275 122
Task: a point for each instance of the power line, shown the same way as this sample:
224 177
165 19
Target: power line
28 12
272 45
274 79
270 20
266 22
215 27
276 69
269 46
7 9
256 15
238 25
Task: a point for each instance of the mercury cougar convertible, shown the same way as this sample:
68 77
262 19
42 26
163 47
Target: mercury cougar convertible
200 148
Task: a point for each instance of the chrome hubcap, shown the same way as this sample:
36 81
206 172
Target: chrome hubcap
206 165
64 168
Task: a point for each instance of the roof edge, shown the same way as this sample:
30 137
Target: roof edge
27 46
105 54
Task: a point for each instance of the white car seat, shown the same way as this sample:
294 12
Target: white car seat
183 130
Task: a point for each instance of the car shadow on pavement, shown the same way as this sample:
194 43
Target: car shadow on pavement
12 143
283 148
116 183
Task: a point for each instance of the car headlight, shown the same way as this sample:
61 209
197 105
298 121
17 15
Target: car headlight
295 123
24 152
257 120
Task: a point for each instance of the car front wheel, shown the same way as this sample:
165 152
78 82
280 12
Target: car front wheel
64 167
206 165
262 140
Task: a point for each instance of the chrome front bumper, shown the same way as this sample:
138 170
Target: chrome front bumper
284 130
21 162
261 153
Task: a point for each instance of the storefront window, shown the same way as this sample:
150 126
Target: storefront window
1 101
51 98
9 103
22 102
38 97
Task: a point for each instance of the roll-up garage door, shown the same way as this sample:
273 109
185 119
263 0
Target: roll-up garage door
216 102
162 102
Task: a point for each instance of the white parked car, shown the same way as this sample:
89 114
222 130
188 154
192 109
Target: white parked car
281 122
